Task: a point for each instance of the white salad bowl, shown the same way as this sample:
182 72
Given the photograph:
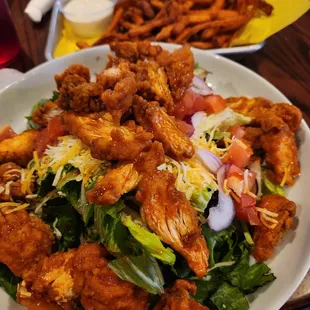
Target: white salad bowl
292 258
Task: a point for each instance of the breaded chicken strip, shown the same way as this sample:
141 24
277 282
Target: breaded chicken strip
19 149
178 297
107 140
258 107
265 238
154 119
74 69
100 287
252 136
153 83
116 182
44 113
170 215
281 151
10 177
125 177
179 68
24 241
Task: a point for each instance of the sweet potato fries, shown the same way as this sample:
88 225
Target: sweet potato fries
203 24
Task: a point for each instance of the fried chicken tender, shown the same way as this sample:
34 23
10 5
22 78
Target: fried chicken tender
55 278
178 297
10 175
154 119
107 140
24 241
152 79
125 177
252 136
179 68
116 182
118 100
19 149
265 238
281 151
74 69
134 51
100 287
44 113
258 108
170 215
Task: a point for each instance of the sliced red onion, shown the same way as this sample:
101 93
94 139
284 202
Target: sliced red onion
200 87
257 168
197 118
210 160
221 175
221 216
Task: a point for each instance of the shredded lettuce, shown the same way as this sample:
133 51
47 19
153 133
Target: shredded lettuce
149 241
270 187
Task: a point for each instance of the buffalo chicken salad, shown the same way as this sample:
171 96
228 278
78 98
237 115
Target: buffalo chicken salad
144 190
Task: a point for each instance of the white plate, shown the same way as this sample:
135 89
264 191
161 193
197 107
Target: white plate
292 258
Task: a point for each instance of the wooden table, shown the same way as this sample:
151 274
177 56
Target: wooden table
284 61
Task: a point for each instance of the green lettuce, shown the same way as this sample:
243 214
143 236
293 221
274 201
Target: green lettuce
142 270
270 187
113 233
200 198
8 281
149 241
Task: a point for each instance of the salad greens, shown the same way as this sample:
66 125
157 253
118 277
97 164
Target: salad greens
201 198
271 188
8 281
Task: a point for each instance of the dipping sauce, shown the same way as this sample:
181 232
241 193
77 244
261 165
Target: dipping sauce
88 18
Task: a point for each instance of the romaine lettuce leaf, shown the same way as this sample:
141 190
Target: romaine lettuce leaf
113 234
229 298
142 271
200 198
8 281
149 241
270 187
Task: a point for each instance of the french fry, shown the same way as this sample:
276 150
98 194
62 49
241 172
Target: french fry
225 14
265 7
180 25
157 4
199 18
201 45
82 45
147 9
149 27
219 41
203 2
165 33
116 18
218 5
209 33
241 6
128 25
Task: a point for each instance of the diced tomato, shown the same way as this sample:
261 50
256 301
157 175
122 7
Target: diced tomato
237 131
49 135
193 102
246 211
214 104
236 183
234 170
185 127
238 155
6 132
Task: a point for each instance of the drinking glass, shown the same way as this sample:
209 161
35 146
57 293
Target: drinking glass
9 43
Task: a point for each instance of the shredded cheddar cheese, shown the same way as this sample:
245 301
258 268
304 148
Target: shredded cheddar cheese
268 217
12 206
286 172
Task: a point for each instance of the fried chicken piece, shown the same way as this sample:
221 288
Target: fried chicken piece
178 297
10 176
134 51
116 182
107 140
252 136
19 149
125 177
119 99
259 108
154 119
24 241
55 278
170 215
152 79
74 69
281 151
265 238
179 68
44 113
100 287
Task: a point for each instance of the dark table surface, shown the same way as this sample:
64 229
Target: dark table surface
284 61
